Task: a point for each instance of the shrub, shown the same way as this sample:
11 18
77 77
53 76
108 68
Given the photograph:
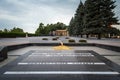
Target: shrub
11 35
14 35
45 39
30 35
54 39
71 40
67 38
57 37
83 41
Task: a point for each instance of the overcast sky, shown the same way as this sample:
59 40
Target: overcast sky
27 14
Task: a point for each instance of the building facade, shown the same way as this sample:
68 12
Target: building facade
61 33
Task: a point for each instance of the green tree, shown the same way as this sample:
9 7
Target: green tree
79 19
1 31
99 16
17 30
71 27
58 26
5 30
76 25
40 29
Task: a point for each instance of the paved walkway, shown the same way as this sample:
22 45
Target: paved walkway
14 41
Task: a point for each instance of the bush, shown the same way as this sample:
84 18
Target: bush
54 39
30 35
57 37
71 40
14 35
67 38
11 35
83 41
45 39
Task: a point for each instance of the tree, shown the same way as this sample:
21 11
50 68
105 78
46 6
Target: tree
17 30
71 27
109 16
40 29
1 31
77 23
5 30
79 19
99 16
45 30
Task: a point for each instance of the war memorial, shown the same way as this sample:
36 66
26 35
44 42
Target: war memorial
87 49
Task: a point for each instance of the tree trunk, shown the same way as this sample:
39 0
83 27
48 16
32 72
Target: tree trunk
99 36
81 36
87 35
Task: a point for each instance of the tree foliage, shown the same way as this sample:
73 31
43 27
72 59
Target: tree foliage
93 17
99 16
17 30
45 30
77 22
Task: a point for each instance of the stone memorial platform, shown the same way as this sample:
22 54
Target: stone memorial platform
60 65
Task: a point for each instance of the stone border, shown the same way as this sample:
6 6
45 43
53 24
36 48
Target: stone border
3 53
5 49
109 47
14 47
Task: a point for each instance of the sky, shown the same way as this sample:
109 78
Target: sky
27 14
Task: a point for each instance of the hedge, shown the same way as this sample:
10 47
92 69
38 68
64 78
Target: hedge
14 35
54 39
71 41
83 41
44 38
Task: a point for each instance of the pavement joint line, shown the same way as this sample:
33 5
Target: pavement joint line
67 63
60 53
64 55
61 72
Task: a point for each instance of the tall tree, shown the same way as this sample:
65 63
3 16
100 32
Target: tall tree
99 16
77 23
79 19
40 29
109 15
45 30
71 27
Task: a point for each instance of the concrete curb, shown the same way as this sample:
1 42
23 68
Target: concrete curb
3 53
5 49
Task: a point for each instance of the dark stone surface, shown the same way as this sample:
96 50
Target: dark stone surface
3 53
48 56
61 77
109 47
14 47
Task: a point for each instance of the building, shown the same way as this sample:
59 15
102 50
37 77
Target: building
61 33
116 26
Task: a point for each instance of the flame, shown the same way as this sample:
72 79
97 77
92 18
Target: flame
61 47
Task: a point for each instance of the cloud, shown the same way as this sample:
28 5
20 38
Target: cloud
27 14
